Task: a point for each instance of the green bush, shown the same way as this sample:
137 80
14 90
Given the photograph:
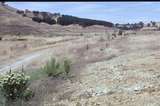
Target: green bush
13 85
67 66
28 94
54 68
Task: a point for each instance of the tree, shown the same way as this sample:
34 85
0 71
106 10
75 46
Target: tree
148 25
116 25
141 23
154 23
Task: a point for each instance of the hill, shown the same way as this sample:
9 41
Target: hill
14 22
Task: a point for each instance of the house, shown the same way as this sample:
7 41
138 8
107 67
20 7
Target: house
157 24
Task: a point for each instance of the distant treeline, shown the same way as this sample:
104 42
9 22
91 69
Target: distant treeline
128 26
67 20
57 18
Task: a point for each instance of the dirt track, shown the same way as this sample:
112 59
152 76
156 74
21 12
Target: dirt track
23 60
36 54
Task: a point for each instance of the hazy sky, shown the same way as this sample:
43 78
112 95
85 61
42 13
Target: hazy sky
116 12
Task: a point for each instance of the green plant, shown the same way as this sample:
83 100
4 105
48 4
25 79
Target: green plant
28 94
120 32
81 34
13 85
101 49
67 66
52 68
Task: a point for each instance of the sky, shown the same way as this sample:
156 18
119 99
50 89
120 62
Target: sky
116 12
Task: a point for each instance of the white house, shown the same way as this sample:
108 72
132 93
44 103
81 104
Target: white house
158 24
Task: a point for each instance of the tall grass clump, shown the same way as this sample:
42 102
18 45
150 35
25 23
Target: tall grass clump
52 68
55 68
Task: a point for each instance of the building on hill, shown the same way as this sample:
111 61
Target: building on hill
130 26
151 24
146 28
157 24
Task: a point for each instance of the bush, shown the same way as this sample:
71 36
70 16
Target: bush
14 85
54 68
67 66
120 32
81 34
28 94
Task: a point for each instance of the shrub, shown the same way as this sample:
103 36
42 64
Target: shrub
114 35
28 94
120 32
14 85
24 15
81 34
54 68
101 49
67 66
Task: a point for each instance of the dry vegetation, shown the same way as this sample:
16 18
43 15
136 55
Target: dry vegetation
116 72
109 67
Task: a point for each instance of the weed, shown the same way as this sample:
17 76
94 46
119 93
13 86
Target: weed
28 94
120 32
81 34
101 49
87 47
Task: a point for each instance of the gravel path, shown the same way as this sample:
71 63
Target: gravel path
23 60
